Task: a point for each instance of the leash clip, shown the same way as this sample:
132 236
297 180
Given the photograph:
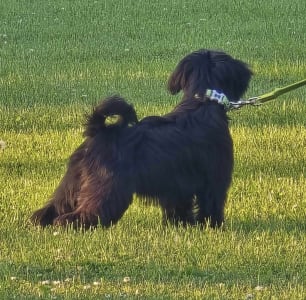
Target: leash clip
254 101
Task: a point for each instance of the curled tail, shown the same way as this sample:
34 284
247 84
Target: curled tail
113 112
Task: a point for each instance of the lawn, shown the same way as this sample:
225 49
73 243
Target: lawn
58 58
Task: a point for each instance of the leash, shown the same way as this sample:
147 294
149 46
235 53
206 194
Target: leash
255 101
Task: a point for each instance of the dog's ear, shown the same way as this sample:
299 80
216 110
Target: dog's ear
179 78
192 68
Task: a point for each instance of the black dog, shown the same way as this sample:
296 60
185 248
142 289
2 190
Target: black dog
183 160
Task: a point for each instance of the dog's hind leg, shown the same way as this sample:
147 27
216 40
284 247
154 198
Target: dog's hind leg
44 216
112 210
77 220
98 203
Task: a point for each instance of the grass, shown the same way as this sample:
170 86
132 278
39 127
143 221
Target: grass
57 58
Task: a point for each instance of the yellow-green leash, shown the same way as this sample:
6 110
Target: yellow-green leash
266 97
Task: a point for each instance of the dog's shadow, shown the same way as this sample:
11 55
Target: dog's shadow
285 225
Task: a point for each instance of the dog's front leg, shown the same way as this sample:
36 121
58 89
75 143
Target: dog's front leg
211 207
179 211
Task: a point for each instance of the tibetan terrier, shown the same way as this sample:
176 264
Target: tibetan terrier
183 160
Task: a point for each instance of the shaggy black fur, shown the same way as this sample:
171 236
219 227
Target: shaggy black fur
183 160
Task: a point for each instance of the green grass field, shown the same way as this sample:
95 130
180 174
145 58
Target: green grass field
58 58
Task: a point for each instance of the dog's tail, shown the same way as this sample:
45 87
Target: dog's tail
112 112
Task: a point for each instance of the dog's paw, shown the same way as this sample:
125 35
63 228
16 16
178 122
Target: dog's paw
77 221
65 220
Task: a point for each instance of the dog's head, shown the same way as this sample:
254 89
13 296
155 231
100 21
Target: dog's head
207 69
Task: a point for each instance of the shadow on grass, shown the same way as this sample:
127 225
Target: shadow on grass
54 271
152 277
283 224
150 273
268 169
